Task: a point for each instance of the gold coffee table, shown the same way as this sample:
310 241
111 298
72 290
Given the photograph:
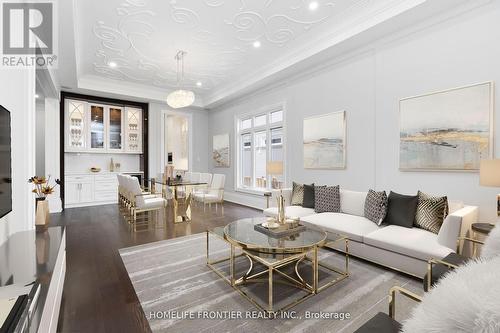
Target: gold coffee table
276 255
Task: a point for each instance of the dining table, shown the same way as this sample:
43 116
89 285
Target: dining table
179 192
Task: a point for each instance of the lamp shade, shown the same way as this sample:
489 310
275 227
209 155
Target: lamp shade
274 168
489 173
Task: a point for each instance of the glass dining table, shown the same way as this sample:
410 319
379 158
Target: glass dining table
179 192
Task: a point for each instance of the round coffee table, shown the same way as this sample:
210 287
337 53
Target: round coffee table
276 254
242 233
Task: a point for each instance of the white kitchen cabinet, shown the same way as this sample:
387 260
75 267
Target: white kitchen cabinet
78 189
134 129
90 189
100 128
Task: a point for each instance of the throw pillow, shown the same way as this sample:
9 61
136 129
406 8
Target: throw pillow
431 212
327 199
308 201
297 194
376 206
401 209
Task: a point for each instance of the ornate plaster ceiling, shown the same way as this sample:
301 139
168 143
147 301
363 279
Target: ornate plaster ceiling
143 36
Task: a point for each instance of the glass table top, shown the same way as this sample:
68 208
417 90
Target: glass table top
242 233
175 182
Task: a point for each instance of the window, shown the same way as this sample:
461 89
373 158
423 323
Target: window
260 140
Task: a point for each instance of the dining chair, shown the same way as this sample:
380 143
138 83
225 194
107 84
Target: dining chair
214 194
143 202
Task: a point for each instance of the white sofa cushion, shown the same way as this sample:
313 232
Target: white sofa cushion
413 242
352 202
290 211
354 227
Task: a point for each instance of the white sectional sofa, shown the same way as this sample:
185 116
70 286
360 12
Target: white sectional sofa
399 248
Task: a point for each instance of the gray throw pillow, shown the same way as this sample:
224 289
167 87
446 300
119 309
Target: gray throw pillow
327 199
376 206
297 194
431 212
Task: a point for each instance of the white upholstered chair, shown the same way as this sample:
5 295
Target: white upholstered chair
140 201
214 194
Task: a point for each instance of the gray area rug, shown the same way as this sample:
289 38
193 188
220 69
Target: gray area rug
178 291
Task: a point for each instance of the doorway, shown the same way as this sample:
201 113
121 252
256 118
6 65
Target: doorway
177 140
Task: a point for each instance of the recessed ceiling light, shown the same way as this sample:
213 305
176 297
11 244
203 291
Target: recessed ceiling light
37 96
313 5
256 44
112 64
199 84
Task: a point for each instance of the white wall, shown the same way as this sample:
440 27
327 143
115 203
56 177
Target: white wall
82 162
200 134
17 94
40 137
456 52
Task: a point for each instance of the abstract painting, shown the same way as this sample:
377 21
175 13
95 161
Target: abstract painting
220 152
324 141
447 130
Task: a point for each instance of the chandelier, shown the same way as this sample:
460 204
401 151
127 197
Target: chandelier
180 98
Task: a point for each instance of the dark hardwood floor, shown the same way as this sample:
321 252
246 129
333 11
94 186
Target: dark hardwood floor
98 295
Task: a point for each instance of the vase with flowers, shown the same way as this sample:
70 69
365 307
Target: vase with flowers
42 187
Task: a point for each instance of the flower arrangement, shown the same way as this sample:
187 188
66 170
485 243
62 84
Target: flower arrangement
42 187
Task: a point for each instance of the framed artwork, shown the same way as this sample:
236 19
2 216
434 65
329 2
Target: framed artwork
450 130
324 141
220 151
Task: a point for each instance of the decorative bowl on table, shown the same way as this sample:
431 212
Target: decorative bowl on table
95 169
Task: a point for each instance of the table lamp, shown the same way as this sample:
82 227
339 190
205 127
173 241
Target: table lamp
276 168
489 175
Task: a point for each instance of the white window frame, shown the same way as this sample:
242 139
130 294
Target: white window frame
238 186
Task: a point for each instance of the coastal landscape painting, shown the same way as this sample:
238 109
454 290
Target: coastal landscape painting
324 141
220 151
448 130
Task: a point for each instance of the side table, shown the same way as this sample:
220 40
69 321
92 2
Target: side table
480 228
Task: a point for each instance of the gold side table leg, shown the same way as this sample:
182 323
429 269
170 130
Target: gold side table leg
347 256
270 296
231 265
315 270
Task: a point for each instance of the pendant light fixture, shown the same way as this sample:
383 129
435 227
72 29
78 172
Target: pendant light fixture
180 98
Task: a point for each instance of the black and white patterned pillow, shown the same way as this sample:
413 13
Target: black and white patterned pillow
376 206
431 212
297 194
327 199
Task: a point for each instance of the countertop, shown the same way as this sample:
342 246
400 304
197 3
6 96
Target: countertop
28 257
102 172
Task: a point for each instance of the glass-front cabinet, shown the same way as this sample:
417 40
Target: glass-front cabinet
134 129
115 128
76 125
92 127
97 130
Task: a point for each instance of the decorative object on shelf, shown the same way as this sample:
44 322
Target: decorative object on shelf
95 169
180 98
489 175
112 165
117 167
447 130
42 188
220 151
324 141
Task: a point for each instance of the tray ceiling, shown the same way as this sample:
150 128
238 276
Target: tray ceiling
142 37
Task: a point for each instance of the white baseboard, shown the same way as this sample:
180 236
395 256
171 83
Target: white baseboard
245 199
88 204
